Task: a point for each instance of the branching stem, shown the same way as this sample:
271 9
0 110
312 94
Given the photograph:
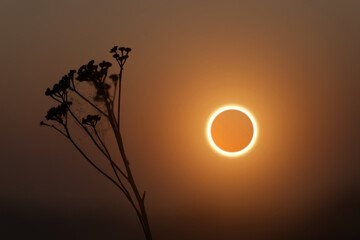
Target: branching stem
125 180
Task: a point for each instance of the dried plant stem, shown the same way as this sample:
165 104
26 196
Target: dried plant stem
122 176
131 180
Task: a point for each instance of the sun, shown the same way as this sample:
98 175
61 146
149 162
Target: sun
231 130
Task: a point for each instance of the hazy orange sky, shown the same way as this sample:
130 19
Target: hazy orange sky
293 64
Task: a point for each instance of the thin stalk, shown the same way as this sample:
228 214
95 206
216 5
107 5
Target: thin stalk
94 141
54 127
88 101
131 180
111 161
118 112
91 162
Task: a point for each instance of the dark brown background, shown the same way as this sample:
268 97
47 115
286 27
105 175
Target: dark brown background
294 64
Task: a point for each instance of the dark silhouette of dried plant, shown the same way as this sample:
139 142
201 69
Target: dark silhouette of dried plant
106 106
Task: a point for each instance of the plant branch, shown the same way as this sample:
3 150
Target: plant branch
55 99
118 112
91 73
109 157
89 102
87 131
54 127
91 162
140 200
95 142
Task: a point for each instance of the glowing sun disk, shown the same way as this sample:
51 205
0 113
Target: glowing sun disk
250 142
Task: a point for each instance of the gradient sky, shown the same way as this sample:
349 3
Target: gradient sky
294 64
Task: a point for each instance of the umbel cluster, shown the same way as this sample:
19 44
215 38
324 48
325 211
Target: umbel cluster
95 74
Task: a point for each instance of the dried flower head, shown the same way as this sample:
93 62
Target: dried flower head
114 49
114 77
91 120
57 113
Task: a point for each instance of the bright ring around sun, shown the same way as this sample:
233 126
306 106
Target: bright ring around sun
231 130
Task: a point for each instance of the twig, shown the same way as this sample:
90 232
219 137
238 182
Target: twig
89 102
